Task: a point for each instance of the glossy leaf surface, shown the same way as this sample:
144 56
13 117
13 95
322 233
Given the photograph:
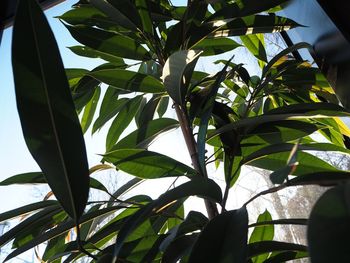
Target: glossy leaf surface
177 71
128 80
143 137
147 164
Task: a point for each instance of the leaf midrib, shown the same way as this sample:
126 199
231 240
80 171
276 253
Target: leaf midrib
51 113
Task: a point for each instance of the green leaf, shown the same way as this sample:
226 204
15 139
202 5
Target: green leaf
193 221
144 12
163 106
122 121
54 136
110 106
224 239
288 221
180 247
265 232
287 147
277 132
125 188
254 24
262 233
256 46
284 53
215 46
263 247
321 178
53 246
85 51
36 227
206 114
197 186
61 228
312 108
280 175
328 111
122 12
242 8
330 216
87 15
83 89
29 223
147 164
26 209
307 163
128 80
146 111
143 137
39 178
286 256
89 110
177 73
109 42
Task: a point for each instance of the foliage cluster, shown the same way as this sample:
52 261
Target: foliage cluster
264 121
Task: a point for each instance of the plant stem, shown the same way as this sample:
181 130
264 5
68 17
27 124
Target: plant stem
192 149
224 199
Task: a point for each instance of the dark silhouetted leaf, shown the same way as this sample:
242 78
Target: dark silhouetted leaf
330 216
122 121
224 239
143 136
110 106
89 110
92 53
242 8
109 42
54 136
263 247
39 178
26 209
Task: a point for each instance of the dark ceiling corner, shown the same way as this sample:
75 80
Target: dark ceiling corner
8 8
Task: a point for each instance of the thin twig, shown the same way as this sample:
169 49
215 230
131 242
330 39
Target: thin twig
173 183
211 161
213 154
268 191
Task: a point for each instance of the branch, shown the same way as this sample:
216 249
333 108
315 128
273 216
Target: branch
268 191
192 149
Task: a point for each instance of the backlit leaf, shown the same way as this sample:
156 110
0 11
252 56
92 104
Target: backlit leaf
147 164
